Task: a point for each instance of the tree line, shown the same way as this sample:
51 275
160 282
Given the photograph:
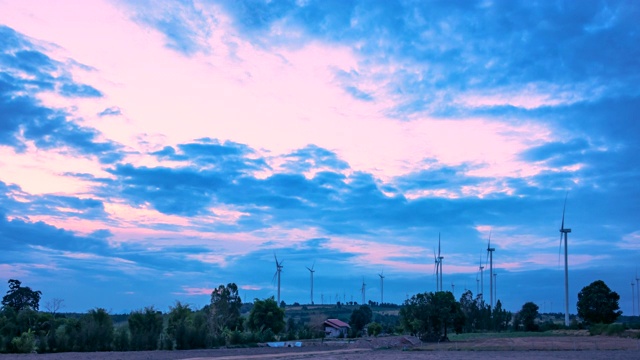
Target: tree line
430 316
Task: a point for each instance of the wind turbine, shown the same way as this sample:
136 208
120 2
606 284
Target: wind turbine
638 290
490 251
440 257
481 292
363 290
436 269
278 271
564 232
633 300
381 287
495 287
311 271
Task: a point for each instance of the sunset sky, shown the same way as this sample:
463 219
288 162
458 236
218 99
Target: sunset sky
151 151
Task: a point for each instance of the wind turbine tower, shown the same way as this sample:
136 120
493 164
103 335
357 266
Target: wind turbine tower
633 300
311 271
440 258
481 291
638 290
436 269
363 290
278 271
564 232
490 251
381 287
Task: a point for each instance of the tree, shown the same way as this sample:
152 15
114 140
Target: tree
96 331
598 304
527 316
179 326
225 308
20 297
145 327
429 315
360 317
266 315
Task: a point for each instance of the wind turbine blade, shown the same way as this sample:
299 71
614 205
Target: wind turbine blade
314 264
560 249
564 207
438 244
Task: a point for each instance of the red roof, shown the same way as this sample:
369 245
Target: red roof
335 323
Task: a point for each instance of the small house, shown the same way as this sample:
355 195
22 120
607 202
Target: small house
336 328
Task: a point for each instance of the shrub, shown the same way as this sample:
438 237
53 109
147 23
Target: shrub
25 343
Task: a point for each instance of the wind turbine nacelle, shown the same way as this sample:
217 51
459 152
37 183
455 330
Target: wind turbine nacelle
565 230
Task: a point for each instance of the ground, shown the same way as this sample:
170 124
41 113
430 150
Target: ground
569 347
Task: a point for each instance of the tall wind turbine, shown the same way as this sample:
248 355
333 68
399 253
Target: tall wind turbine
490 251
440 258
481 292
495 287
363 290
311 271
381 287
633 300
278 271
436 269
564 232
638 290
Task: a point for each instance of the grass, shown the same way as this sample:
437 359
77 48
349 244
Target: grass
499 335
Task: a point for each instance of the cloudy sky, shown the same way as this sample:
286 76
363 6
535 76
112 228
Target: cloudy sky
152 151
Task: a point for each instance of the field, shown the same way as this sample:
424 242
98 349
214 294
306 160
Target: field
468 347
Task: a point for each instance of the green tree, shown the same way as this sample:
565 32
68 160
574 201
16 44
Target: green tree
360 317
96 330
145 327
225 308
20 297
527 316
429 315
180 326
266 315
598 304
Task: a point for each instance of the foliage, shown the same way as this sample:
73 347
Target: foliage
96 331
145 327
225 308
598 304
121 340
25 343
527 316
21 297
606 329
374 329
266 315
429 315
360 317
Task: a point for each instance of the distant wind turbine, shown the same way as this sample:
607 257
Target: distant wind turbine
278 271
638 290
381 287
490 251
440 258
633 300
564 232
481 292
311 271
363 290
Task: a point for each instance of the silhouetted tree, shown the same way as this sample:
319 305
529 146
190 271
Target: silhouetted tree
96 331
225 308
145 327
360 317
20 297
598 304
527 316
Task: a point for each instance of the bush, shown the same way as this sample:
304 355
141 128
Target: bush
25 343
606 329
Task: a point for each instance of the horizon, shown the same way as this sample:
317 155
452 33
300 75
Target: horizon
151 152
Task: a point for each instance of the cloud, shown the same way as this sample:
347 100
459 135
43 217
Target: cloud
110 111
23 117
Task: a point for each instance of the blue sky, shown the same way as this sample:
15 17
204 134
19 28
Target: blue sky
151 152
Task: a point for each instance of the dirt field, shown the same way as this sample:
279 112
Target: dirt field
527 348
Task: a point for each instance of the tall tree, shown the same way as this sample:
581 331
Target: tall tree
225 308
20 297
429 315
598 304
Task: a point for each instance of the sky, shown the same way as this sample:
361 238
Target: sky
152 151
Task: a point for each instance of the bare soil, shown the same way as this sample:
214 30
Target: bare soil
568 347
